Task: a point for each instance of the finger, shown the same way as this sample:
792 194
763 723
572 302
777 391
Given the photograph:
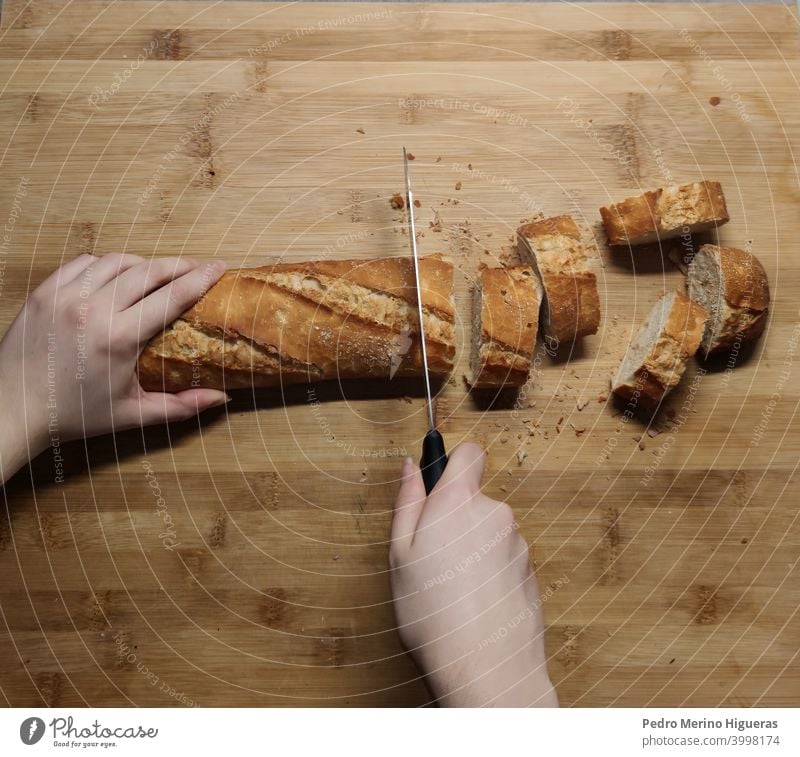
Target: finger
156 311
104 269
157 407
463 473
67 273
408 505
140 280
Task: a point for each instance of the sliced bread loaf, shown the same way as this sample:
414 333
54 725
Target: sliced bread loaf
665 212
732 286
555 249
657 358
505 317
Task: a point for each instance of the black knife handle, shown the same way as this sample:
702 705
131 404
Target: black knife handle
434 459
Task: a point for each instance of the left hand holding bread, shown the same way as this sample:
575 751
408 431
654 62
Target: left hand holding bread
68 361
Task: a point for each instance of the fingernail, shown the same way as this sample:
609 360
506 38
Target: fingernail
408 466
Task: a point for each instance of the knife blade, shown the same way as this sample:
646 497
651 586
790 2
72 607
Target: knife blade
434 457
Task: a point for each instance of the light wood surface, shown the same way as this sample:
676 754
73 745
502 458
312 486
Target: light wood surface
254 131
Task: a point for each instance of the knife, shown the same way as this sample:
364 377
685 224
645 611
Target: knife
434 457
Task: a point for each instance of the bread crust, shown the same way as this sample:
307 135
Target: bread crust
664 363
507 324
297 322
744 287
557 252
665 212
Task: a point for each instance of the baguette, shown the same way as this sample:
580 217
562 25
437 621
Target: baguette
505 319
665 212
657 358
555 249
300 322
732 286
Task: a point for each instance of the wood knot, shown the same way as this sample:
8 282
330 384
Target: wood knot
167 45
260 76
707 606
48 528
273 607
50 687
333 646
355 205
25 19
275 480
201 146
87 238
410 108
32 108
217 536
739 482
569 652
96 615
610 544
193 560
616 44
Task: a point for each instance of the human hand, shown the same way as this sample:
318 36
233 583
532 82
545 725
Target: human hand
68 361
465 597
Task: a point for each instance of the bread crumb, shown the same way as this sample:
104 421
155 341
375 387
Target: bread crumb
438 159
653 432
714 101
335 558
407 400
397 201
417 203
436 223
580 404
458 186
411 155
360 130
521 455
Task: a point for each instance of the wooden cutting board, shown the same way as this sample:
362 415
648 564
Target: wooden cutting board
250 131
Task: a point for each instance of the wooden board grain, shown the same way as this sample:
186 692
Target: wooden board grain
253 131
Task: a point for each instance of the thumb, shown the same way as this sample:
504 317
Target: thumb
157 407
462 474
408 505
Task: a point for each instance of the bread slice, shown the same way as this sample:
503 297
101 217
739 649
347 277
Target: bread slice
732 286
505 319
657 358
666 212
555 249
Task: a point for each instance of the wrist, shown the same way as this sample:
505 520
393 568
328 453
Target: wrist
23 437
510 683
